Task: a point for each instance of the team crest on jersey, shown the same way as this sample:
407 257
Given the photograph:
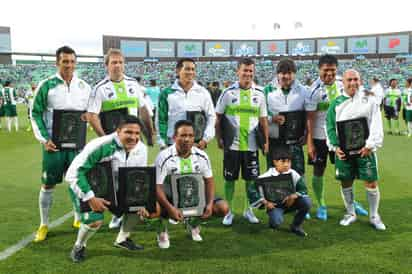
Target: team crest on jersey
131 91
234 100
111 95
81 85
255 100
174 170
197 168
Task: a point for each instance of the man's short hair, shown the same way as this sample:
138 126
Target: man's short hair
409 80
245 61
152 83
110 53
286 65
182 123
7 83
391 80
281 153
130 119
64 49
328 59
180 62
376 79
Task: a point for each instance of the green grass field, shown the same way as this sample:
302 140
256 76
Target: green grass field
242 248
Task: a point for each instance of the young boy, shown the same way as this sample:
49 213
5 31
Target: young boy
298 201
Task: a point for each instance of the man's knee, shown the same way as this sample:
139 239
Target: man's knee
371 184
220 208
346 184
44 186
95 225
275 218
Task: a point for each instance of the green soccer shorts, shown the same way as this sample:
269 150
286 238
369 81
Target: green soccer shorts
365 169
85 217
55 165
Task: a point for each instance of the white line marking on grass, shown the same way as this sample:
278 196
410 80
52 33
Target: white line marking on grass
28 239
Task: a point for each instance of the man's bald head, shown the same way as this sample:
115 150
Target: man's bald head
351 81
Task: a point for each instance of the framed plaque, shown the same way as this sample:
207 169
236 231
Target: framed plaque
352 135
101 181
110 120
260 137
188 194
137 188
198 118
276 188
294 127
228 131
69 131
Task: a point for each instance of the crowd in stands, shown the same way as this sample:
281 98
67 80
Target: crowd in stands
22 75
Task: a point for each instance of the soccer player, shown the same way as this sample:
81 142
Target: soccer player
1 106
298 202
244 106
408 106
324 90
153 91
10 110
183 158
376 90
392 105
62 91
117 91
122 148
184 95
29 102
404 96
351 104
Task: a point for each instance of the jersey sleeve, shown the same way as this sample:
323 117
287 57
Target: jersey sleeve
40 102
161 169
95 100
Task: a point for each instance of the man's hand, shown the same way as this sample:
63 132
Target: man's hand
278 119
269 205
98 204
220 144
311 150
289 200
208 211
266 148
142 213
341 155
365 152
202 144
50 146
176 214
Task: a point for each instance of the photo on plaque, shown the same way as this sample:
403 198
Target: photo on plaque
294 127
100 179
137 188
69 131
188 192
198 118
276 188
260 136
352 135
110 120
228 132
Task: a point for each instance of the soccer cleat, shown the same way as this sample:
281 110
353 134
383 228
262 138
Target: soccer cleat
359 210
228 219
76 224
115 222
41 233
322 213
163 240
77 255
377 223
347 219
129 245
173 222
298 230
195 233
250 216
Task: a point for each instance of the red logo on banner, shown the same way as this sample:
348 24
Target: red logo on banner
273 47
394 43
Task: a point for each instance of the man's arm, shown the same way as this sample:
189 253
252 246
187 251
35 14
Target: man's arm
263 121
162 118
174 213
147 121
210 196
94 120
211 118
310 119
218 131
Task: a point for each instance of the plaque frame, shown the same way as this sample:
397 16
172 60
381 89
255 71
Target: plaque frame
190 211
356 143
300 126
265 184
193 117
107 117
59 127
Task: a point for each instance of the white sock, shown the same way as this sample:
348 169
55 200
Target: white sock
76 215
84 234
347 196
45 203
128 223
373 199
409 127
16 123
8 123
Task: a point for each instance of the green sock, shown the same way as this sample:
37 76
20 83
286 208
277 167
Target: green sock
397 125
229 192
389 124
317 185
160 224
246 198
252 194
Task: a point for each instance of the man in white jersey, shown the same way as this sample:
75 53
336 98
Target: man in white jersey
117 91
243 105
184 158
354 104
185 95
10 109
62 91
323 91
121 148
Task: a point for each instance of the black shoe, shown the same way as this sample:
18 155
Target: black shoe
129 245
77 254
298 231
